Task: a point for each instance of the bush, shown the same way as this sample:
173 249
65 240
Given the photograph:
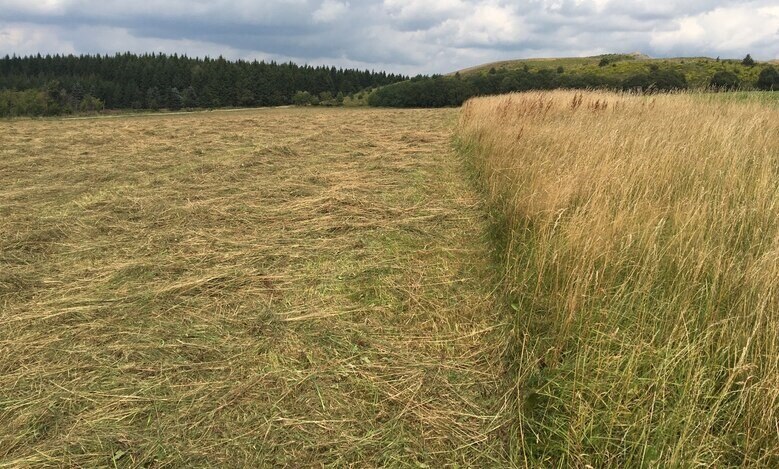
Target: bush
665 80
424 92
768 79
50 101
90 104
509 84
639 81
725 80
668 80
301 98
748 61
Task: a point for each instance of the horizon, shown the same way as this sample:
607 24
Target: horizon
389 72
407 37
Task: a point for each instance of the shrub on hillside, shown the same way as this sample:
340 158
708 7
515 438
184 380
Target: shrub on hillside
668 80
639 81
725 80
656 79
768 79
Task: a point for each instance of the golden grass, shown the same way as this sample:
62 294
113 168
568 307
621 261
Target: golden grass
269 287
640 241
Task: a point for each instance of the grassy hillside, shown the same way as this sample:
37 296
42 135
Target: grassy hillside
639 244
697 70
608 72
290 287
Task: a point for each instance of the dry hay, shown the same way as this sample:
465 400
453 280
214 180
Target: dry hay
263 287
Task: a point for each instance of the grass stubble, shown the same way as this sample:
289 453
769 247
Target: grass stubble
639 241
257 288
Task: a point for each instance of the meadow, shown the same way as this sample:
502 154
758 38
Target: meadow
542 279
639 248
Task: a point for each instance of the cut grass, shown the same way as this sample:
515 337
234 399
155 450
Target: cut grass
267 287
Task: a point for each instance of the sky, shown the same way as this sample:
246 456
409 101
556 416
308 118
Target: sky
403 36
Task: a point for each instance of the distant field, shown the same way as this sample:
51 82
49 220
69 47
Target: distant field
764 97
243 289
639 242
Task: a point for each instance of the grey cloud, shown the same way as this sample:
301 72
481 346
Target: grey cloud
410 36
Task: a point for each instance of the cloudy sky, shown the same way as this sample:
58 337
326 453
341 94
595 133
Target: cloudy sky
409 36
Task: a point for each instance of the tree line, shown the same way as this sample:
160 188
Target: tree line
442 91
50 101
53 84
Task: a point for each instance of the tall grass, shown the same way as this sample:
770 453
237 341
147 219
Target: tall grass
640 248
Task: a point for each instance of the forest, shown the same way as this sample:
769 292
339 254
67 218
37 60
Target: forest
67 84
61 84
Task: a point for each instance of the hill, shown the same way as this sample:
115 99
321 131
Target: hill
548 62
697 70
629 72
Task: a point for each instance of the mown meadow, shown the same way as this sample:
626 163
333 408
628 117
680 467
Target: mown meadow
259 288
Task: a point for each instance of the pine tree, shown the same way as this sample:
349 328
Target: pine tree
135 81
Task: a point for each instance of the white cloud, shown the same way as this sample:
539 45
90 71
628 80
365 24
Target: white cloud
487 25
731 31
329 11
408 36
424 9
22 39
42 7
